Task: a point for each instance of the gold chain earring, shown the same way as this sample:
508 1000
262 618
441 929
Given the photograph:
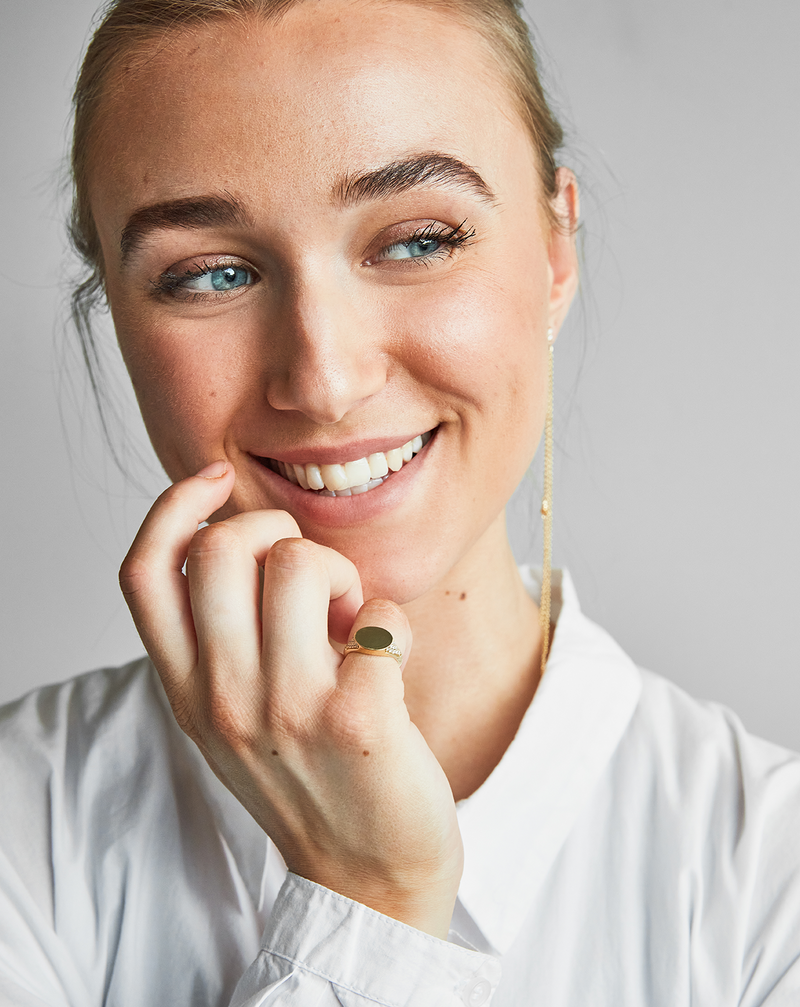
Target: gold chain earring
547 508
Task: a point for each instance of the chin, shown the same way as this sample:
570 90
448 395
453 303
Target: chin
400 574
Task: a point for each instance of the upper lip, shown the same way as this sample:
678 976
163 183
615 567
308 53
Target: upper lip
338 454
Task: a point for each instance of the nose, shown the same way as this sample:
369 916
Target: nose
327 355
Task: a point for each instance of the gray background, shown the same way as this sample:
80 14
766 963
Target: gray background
678 411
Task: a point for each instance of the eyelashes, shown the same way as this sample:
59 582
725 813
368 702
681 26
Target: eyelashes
207 278
219 277
425 245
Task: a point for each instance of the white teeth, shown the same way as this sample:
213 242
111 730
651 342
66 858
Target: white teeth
333 476
358 472
300 472
378 467
394 459
351 478
314 477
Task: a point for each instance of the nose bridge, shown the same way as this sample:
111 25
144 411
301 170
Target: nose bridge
330 359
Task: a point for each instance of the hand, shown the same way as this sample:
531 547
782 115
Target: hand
319 748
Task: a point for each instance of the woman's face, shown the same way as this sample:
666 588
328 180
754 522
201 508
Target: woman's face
324 238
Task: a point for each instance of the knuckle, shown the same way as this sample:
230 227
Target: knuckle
344 561
291 528
134 576
212 540
294 554
384 611
352 719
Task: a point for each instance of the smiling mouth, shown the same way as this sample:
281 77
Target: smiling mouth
349 478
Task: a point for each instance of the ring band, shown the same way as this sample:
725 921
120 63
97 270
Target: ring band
374 641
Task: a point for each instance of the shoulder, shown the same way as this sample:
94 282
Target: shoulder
682 772
723 805
701 820
85 758
721 809
67 752
101 710
695 745
697 749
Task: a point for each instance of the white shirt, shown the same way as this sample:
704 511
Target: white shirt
634 848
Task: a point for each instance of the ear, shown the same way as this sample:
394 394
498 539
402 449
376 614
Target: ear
563 254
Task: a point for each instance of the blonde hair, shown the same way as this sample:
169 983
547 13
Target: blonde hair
130 27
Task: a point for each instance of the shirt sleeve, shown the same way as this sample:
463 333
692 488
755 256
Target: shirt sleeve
320 948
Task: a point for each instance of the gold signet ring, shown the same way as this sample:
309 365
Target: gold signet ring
375 642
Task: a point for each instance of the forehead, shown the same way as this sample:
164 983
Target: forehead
331 87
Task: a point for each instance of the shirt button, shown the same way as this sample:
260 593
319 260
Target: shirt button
477 992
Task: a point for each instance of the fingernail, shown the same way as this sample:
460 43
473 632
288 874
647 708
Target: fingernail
214 471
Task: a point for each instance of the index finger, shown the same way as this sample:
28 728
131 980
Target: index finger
151 575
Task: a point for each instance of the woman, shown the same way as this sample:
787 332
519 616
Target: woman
338 251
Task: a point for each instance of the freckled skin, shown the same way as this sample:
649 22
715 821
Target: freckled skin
465 350
323 349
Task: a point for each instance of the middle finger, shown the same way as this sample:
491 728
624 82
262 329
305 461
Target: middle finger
222 571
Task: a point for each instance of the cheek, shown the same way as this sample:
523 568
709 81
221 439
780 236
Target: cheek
187 391
484 347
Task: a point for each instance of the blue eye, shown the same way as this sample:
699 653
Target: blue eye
222 278
417 248
425 245
229 278
204 281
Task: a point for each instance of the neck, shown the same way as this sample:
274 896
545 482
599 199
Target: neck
474 666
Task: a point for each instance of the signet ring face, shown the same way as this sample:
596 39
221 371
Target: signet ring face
374 641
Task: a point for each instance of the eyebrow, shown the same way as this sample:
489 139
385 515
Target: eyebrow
224 210
192 212
430 168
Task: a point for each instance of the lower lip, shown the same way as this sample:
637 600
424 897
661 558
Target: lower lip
338 512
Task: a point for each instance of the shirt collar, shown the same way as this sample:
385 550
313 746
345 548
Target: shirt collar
520 817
